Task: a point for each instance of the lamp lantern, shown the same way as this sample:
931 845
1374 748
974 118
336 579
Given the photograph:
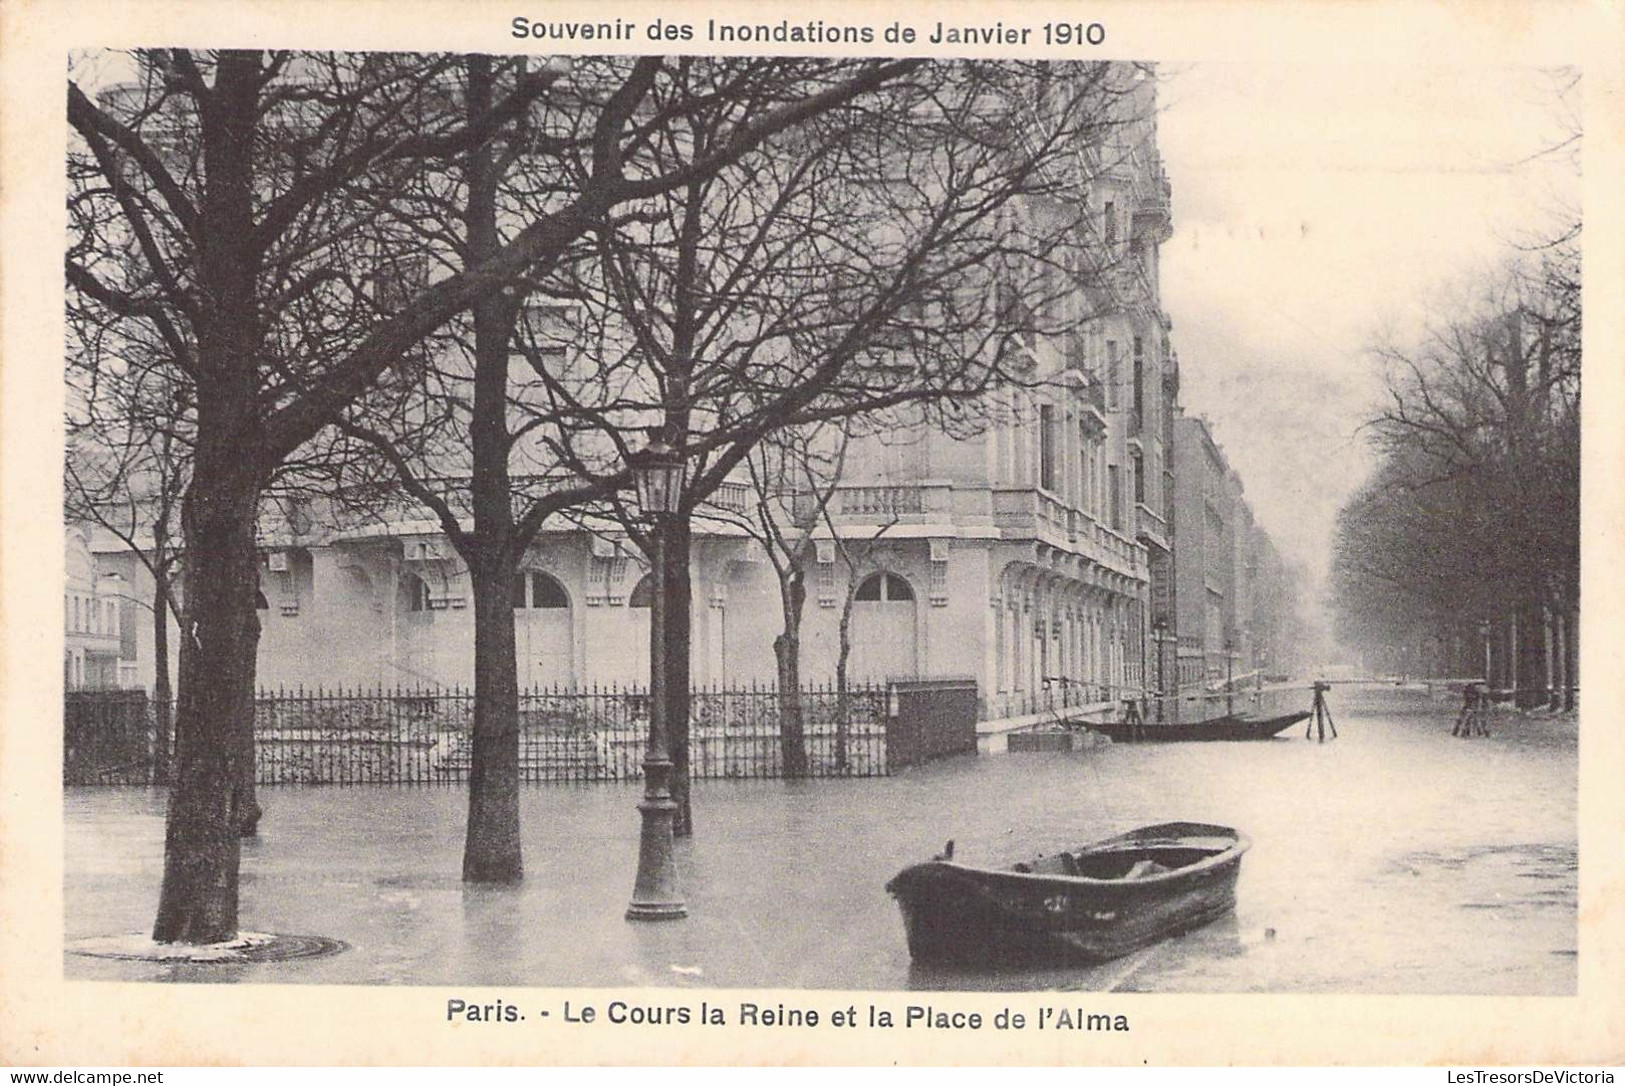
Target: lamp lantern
658 470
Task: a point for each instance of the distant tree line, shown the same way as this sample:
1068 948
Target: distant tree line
1462 552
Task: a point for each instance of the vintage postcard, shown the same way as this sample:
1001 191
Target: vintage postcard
717 533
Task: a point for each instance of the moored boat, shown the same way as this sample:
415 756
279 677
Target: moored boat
1099 902
1220 728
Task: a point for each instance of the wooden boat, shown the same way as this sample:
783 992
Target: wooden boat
1219 728
1102 901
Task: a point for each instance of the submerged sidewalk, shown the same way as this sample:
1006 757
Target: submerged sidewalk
1472 843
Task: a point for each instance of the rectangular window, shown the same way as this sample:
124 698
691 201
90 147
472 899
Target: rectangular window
544 335
1085 479
1108 223
1001 665
1114 376
129 643
1048 441
1138 416
1115 492
1138 463
1017 657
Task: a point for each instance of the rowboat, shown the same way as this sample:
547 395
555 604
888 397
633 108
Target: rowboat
1099 902
1218 728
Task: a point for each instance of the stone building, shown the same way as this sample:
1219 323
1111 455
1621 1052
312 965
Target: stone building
99 645
1238 601
1035 555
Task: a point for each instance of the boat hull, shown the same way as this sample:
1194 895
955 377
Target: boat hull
1224 729
966 915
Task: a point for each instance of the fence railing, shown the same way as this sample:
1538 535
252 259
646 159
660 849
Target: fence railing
1055 697
425 736
1061 700
1244 701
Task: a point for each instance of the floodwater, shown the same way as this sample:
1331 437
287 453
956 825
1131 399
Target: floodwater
1394 859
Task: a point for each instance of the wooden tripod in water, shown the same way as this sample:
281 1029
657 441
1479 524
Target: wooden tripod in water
1320 716
1474 718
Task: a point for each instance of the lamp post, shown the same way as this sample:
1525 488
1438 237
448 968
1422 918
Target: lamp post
658 471
1159 636
1484 634
1229 677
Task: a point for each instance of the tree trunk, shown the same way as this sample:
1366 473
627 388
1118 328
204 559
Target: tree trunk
1531 659
245 807
491 849
843 703
162 694
1554 660
844 639
787 655
1571 659
198 901
1496 668
679 613
212 800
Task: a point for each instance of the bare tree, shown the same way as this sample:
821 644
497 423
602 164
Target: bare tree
213 201
1474 514
793 476
905 249
515 444
127 464
859 554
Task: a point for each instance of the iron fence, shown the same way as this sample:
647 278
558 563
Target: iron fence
425 736
111 737
1053 696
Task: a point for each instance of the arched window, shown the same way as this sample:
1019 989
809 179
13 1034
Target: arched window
884 586
643 594
541 590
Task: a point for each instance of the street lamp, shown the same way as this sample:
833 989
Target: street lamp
658 471
1159 635
1229 677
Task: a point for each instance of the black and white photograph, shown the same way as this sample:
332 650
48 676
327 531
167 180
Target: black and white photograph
710 510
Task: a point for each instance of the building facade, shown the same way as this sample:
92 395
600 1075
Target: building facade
100 648
1238 602
1048 555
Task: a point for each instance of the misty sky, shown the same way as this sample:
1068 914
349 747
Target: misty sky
1314 207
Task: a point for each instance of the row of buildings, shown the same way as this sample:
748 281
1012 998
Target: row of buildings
1090 543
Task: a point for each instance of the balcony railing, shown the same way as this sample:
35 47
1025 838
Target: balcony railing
882 501
1029 513
1152 521
1051 510
95 640
732 497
